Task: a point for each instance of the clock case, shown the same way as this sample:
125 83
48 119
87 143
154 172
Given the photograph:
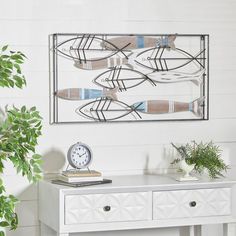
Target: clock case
69 157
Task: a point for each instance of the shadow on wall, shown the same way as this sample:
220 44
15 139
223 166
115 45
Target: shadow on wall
53 161
160 159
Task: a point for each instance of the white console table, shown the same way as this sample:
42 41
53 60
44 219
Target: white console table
137 202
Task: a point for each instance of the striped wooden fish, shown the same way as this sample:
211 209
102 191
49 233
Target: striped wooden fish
161 59
87 47
83 93
176 77
125 78
167 42
165 106
139 41
109 62
105 109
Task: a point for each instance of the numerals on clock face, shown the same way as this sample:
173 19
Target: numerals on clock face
80 156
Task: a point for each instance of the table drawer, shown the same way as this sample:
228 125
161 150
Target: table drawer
114 207
191 203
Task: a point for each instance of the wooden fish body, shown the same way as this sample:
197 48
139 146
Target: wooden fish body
109 62
84 93
140 41
166 106
106 109
176 77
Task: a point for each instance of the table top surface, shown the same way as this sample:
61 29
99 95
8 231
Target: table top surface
145 183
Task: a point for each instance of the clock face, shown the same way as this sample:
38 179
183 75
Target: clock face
79 156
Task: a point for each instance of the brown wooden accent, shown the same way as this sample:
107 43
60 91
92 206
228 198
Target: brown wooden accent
71 93
162 106
121 42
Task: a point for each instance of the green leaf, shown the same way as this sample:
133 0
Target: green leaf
2 233
4 224
4 48
19 134
33 109
205 156
23 109
37 169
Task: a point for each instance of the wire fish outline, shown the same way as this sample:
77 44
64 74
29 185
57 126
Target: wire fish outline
163 65
85 42
113 79
102 107
120 83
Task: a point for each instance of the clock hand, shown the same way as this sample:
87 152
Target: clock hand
82 154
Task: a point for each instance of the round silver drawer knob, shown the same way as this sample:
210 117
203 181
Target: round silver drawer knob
106 208
192 204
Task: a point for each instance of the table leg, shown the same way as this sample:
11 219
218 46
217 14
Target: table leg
197 230
193 230
229 229
47 231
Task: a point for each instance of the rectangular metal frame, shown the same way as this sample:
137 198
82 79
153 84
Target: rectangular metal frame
53 74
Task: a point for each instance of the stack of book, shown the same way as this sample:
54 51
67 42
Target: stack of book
80 178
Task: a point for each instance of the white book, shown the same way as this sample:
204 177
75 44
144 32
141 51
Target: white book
79 179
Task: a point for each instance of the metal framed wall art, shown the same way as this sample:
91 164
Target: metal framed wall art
120 78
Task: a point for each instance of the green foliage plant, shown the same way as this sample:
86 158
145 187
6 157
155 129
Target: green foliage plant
205 156
19 132
10 68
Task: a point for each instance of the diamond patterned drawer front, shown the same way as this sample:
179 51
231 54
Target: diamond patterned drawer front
94 208
191 203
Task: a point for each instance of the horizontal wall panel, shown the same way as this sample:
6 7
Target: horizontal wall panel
110 159
221 106
222 81
28 213
218 130
25 231
130 159
131 10
23 190
30 35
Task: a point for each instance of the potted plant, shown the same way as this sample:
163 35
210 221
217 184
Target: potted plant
202 157
19 132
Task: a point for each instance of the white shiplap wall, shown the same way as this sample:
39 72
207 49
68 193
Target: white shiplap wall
127 148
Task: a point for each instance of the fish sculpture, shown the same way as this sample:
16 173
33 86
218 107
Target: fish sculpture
167 42
87 48
109 62
175 77
165 106
125 78
106 109
75 94
121 78
139 41
161 59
